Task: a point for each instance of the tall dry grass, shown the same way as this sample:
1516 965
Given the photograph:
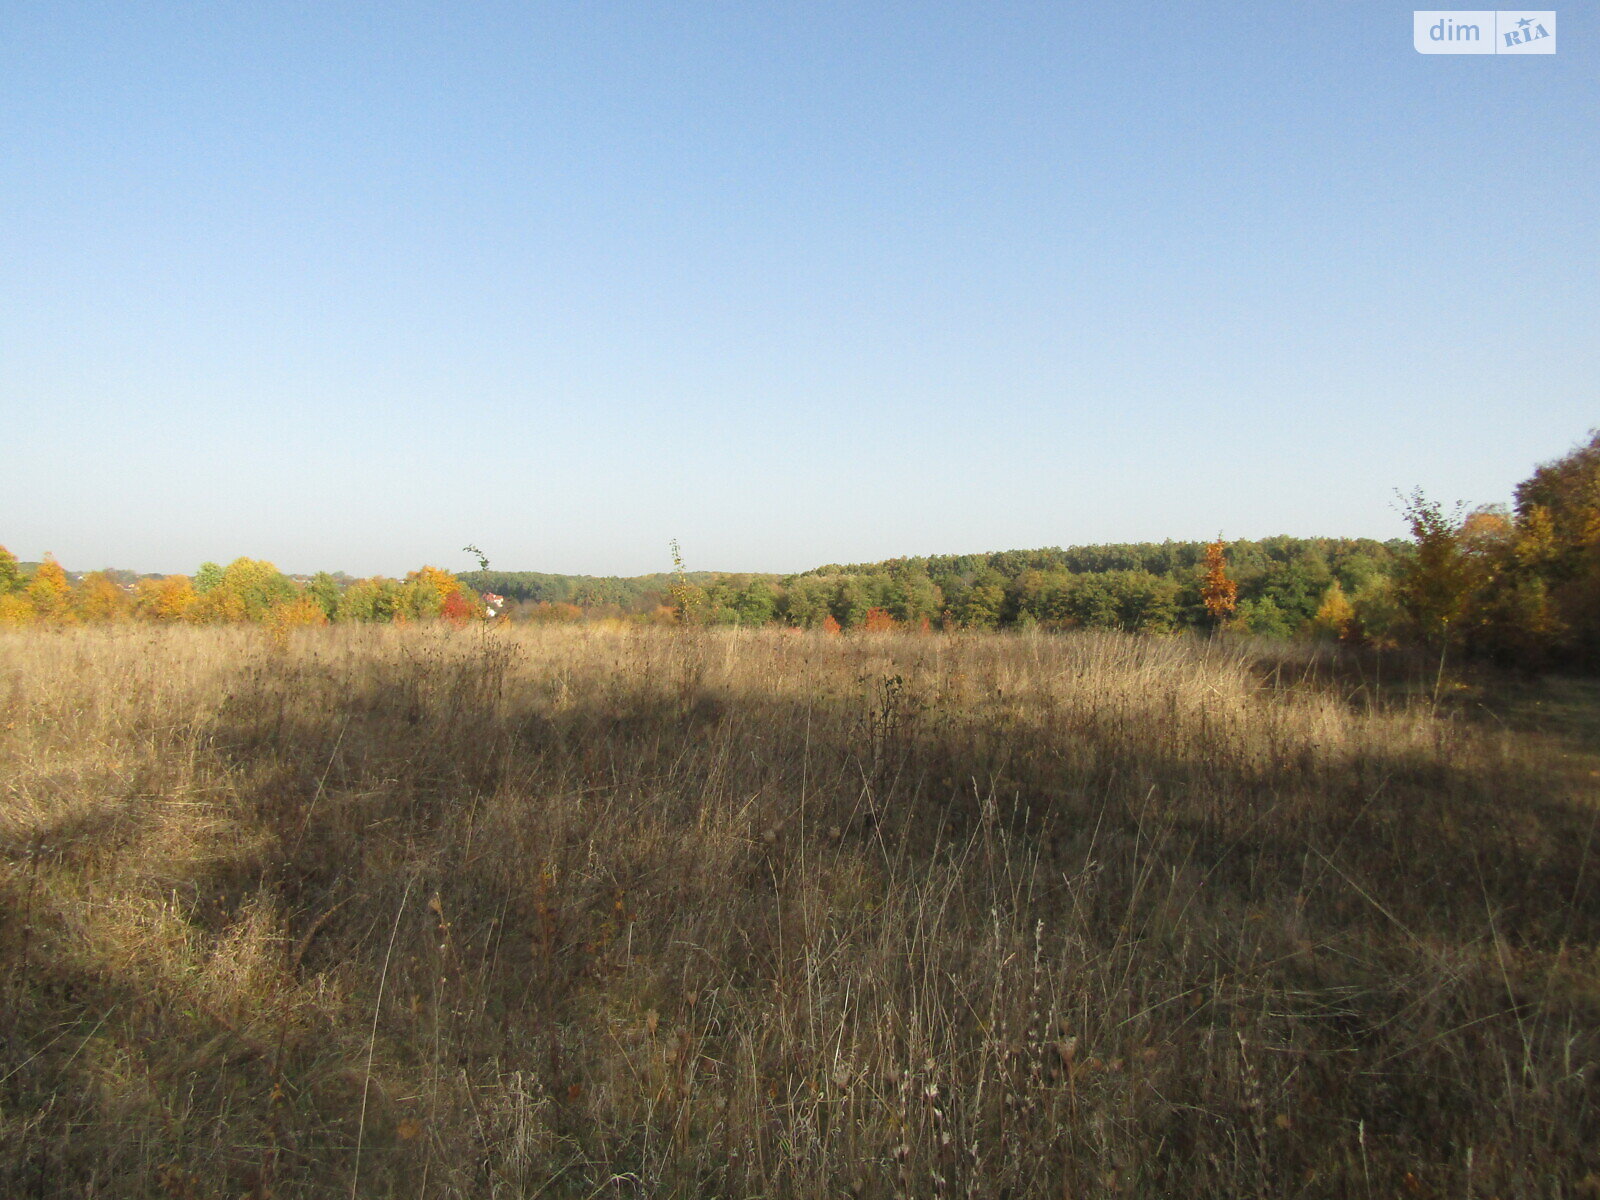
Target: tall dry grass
583 912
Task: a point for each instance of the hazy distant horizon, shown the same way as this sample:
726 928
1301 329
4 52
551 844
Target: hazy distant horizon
471 566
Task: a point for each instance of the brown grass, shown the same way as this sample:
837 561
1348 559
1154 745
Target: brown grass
580 912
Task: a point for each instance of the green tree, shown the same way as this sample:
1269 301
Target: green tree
324 592
1091 603
1296 585
1435 585
807 600
911 596
985 600
756 603
1356 570
1146 603
369 600
1378 618
1264 618
851 600
11 579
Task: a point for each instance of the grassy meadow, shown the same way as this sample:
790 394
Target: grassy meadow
630 912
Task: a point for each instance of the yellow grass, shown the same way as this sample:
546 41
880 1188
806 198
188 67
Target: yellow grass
581 912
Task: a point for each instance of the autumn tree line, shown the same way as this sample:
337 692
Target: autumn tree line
246 589
1519 583
1285 584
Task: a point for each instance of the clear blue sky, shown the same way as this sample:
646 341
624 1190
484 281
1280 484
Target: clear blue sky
350 286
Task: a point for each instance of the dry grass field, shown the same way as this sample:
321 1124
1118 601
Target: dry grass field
588 912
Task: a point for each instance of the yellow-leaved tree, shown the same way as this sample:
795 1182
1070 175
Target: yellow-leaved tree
50 594
11 579
249 590
424 592
303 612
100 600
1336 616
170 599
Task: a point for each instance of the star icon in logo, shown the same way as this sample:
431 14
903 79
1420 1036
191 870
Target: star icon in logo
1525 22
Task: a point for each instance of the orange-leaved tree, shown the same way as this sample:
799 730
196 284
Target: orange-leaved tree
458 610
878 620
1218 592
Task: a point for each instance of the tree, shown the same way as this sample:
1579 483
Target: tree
985 600
1335 615
1568 490
806 600
1091 602
878 620
911 596
1218 592
49 592
688 599
756 602
207 577
1296 584
1264 618
458 610
1435 585
1378 619
425 591
1146 603
369 600
171 599
15 610
1043 597
324 589
100 600
441 580
249 590
10 573
851 601
302 612
1556 554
